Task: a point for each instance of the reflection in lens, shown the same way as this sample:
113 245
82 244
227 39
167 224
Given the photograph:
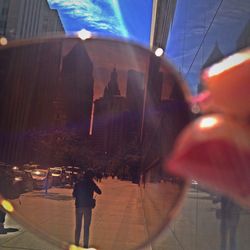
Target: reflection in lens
68 106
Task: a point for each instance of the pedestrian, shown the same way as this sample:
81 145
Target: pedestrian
229 214
2 220
8 190
83 193
46 184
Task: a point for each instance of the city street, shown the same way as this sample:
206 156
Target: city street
117 210
118 220
124 217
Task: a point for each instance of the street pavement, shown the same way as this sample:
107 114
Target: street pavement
124 217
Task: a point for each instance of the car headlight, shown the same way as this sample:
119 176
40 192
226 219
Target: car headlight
18 178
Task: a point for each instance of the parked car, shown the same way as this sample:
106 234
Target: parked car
59 176
24 180
9 188
30 167
40 176
73 173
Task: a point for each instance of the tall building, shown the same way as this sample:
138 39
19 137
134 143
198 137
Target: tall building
42 98
153 95
22 19
60 116
135 97
4 9
117 124
112 88
244 38
155 82
100 123
165 114
78 87
109 124
215 56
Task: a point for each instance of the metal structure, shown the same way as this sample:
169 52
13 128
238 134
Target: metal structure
162 19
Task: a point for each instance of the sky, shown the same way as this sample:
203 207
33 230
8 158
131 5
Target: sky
128 19
197 26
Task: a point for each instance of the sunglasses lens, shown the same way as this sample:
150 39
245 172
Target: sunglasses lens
67 106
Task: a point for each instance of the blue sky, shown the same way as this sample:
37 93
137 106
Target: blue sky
131 19
192 21
127 18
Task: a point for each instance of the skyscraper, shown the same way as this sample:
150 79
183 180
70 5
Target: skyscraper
77 85
44 99
135 97
109 126
165 114
244 38
28 18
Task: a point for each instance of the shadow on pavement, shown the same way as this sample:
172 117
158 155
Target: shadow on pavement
11 230
52 196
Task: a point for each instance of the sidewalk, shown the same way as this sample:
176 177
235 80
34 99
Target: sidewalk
120 222
197 228
22 239
117 221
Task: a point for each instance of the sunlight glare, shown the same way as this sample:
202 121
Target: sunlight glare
208 122
159 52
84 34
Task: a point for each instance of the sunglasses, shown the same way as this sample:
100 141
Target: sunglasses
71 106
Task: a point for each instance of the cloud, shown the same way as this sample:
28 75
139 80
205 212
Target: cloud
90 14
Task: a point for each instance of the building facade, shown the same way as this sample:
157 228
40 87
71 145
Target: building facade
110 121
27 18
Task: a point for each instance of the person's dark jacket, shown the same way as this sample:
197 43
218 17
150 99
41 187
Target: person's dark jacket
83 192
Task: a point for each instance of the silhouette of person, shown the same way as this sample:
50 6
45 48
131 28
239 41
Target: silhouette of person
83 193
230 215
6 186
2 220
46 185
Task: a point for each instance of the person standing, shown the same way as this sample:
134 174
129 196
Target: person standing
46 184
8 190
230 216
83 193
2 220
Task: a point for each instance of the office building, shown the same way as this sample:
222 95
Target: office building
27 19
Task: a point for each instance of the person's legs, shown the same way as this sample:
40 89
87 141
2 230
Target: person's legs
223 234
233 244
46 186
79 213
2 220
87 212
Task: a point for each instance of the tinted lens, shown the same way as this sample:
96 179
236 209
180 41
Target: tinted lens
68 106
